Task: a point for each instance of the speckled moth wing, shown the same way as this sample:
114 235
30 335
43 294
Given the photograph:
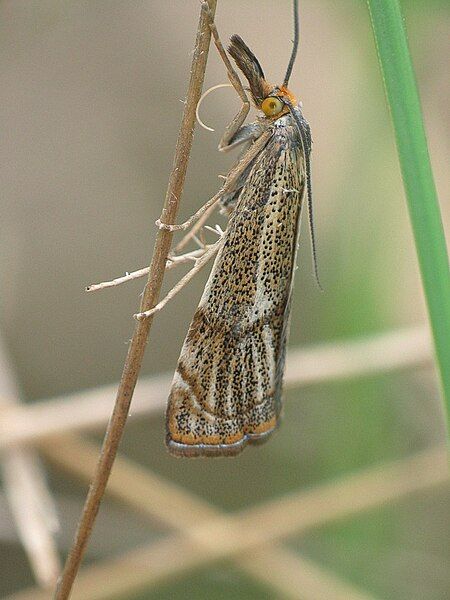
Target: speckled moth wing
226 390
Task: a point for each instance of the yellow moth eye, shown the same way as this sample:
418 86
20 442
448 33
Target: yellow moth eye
271 106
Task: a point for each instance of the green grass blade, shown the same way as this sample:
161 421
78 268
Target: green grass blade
403 99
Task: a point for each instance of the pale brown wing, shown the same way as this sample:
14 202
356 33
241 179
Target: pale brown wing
227 387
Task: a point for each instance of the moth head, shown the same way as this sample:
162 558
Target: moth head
277 103
271 100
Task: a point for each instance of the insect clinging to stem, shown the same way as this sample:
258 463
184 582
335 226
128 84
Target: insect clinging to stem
226 391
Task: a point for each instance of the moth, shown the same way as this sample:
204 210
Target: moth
227 388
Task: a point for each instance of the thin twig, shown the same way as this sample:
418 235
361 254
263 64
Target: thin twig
150 297
26 489
326 362
34 512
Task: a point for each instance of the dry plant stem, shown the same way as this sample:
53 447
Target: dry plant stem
139 340
25 487
33 511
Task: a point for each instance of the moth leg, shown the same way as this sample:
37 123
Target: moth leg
232 178
195 217
199 264
173 260
200 216
230 131
192 233
233 77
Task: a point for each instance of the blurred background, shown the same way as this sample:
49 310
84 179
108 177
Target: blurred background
91 97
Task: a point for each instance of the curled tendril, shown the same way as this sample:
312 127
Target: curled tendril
208 91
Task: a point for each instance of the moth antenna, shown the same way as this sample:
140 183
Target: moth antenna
311 220
295 46
202 97
305 138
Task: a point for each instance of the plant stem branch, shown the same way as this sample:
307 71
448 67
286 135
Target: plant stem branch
150 296
403 99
